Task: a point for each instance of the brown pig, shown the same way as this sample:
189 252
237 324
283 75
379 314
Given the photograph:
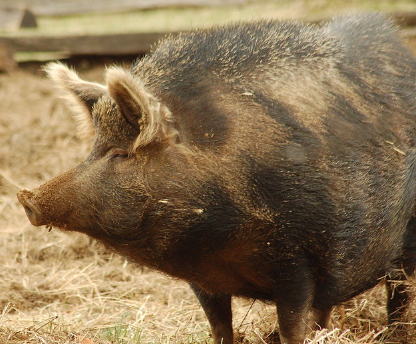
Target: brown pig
268 160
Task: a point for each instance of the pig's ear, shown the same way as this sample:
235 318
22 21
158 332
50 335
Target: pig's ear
152 119
81 95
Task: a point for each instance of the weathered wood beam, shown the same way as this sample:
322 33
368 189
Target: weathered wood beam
114 44
66 7
405 19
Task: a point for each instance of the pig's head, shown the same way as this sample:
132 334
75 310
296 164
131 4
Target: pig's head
106 196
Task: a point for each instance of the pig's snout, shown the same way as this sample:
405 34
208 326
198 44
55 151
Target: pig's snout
26 198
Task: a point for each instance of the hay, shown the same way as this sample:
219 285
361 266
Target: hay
60 288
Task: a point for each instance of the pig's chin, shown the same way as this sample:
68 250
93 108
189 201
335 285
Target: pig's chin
66 227
61 227
95 231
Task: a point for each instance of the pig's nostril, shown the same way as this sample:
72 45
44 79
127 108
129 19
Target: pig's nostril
31 209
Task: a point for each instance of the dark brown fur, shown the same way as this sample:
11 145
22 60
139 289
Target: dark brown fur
266 160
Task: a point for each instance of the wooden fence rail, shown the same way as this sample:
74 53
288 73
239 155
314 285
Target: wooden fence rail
114 44
66 7
126 44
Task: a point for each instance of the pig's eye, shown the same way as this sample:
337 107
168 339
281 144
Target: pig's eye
119 154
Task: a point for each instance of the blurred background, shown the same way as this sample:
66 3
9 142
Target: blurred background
99 30
64 288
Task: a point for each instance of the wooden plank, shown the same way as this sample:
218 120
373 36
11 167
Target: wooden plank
119 44
111 44
66 7
405 18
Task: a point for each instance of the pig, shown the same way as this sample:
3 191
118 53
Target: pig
270 160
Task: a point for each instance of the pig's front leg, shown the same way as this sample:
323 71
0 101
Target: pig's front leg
294 302
218 311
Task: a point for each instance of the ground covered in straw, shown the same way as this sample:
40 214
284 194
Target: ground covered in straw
60 288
